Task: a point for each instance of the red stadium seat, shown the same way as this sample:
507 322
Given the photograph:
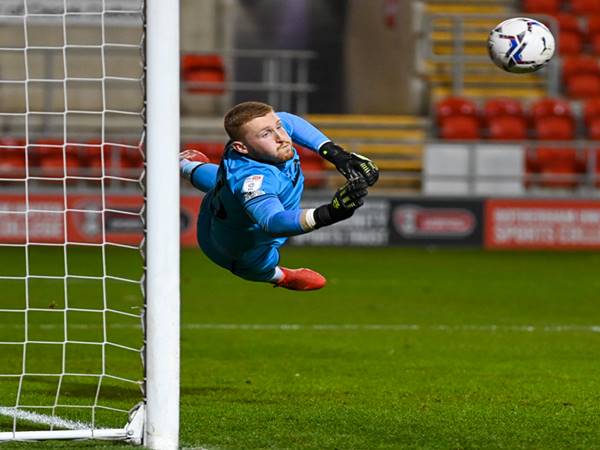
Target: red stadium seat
551 107
454 106
503 107
312 167
507 128
593 130
541 6
559 167
591 111
595 43
555 128
585 6
12 158
593 24
460 127
131 161
505 119
570 43
203 69
568 22
553 120
581 75
575 65
53 160
213 150
457 118
583 86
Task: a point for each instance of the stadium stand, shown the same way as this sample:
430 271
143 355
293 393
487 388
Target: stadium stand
197 68
585 6
395 143
455 61
12 163
541 6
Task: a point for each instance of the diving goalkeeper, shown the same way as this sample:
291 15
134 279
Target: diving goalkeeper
252 201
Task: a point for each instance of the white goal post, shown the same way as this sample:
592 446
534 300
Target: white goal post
89 181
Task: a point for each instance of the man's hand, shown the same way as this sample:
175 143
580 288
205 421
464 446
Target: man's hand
346 200
351 165
190 160
193 155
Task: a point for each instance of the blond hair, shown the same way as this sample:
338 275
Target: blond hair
241 114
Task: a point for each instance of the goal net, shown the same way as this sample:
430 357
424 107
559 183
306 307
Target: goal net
79 330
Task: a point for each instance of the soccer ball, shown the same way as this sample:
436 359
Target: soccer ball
521 45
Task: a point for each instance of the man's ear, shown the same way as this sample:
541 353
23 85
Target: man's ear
239 147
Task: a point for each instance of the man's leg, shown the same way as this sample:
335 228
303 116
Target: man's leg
262 265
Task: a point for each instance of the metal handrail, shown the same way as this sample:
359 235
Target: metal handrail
458 58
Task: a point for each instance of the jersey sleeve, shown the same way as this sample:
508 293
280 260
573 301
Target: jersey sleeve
270 214
302 132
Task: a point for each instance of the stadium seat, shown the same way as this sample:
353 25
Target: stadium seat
551 107
541 6
457 119
595 43
12 158
131 161
313 166
576 65
49 160
554 128
505 119
581 76
570 43
591 111
558 167
496 107
584 7
568 22
592 24
553 121
213 150
453 106
203 69
460 127
509 128
583 86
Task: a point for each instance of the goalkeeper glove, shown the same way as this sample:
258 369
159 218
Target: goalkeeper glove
346 200
351 165
190 160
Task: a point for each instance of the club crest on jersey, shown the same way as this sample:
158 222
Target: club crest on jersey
251 187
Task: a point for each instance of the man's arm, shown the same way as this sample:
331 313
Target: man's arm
196 168
269 213
302 132
351 165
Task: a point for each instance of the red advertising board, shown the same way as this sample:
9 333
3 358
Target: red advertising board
542 224
79 219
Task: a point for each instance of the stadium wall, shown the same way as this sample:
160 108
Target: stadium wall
483 222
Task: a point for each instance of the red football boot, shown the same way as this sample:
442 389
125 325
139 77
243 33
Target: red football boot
301 279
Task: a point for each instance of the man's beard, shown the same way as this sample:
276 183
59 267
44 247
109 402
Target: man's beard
284 153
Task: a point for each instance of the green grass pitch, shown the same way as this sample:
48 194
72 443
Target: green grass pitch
404 348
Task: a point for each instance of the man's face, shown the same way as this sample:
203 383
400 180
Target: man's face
265 139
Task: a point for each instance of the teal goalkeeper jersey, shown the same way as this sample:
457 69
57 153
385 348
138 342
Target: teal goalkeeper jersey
247 189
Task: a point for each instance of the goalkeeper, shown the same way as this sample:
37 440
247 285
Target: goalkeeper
252 201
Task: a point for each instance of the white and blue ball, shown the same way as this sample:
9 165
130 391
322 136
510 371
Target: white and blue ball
521 45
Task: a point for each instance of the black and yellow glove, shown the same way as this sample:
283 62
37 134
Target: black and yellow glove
346 200
351 165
